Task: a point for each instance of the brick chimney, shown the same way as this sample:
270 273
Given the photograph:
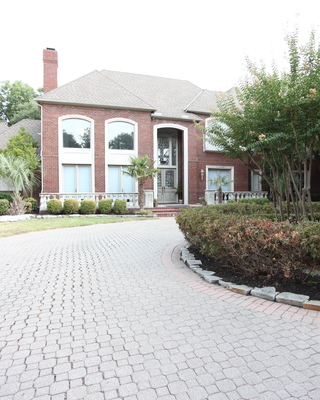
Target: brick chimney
50 69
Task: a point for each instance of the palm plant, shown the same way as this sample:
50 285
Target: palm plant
219 182
141 169
22 178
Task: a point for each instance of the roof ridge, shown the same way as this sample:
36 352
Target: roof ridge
129 91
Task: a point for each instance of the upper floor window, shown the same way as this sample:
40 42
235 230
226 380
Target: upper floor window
121 135
76 133
207 145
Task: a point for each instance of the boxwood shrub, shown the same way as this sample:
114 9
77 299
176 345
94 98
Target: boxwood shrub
54 206
34 203
70 206
120 206
4 206
27 207
88 206
105 206
7 196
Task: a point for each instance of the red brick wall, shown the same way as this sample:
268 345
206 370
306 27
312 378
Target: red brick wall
51 114
197 158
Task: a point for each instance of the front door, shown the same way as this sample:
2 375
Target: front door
167 186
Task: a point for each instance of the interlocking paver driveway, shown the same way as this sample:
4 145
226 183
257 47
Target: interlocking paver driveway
92 313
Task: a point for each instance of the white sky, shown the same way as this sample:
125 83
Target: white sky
203 41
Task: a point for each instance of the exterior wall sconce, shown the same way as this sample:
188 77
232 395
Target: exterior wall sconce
202 174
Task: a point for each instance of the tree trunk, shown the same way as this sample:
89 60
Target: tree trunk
141 195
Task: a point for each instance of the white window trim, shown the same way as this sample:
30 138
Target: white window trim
63 151
256 172
77 176
206 145
135 139
135 183
230 168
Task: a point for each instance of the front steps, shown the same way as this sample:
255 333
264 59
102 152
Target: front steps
167 211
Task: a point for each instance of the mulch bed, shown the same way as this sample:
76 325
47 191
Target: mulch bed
230 274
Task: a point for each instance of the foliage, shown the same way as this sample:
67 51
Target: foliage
4 206
34 203
54 206
122 141
274 124
27 206
7 196
88 206
12 97
179 190
254 246
141 169
70 206
18 171
144 212
120 206
105 206
17 205
29 110
23 145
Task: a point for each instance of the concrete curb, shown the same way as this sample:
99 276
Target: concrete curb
267 293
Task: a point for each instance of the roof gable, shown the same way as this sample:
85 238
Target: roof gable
95 89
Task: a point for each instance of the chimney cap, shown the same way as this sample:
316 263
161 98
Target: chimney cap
50 48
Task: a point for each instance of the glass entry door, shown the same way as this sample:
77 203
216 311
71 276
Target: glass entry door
167 186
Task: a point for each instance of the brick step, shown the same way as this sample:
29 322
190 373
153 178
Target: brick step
165 211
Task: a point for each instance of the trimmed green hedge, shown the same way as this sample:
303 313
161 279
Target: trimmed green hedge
70 206
7 196
88 206
4 206
105 206
120 207
255 246
54 206
33 202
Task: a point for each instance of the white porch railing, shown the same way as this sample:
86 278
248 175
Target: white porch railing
130 198
211 196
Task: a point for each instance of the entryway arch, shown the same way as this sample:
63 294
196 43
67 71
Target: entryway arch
167 139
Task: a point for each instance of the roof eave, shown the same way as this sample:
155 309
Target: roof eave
170 117
112 106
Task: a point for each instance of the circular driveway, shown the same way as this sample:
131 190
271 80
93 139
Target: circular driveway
108 312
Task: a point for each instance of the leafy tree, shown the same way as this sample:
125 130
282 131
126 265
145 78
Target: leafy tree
29 110
22 145
274 124
22 177
123 141
141 169
13 96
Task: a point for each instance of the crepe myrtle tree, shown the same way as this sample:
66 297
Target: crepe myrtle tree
141 169
273 124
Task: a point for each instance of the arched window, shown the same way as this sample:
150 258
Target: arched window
76 133
121 135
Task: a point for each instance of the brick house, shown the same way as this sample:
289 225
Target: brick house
94 124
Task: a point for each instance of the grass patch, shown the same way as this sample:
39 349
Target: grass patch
34 225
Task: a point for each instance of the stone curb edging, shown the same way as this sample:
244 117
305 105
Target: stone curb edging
266 293
26 217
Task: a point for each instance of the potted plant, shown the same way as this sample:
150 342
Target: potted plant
179 191
155 202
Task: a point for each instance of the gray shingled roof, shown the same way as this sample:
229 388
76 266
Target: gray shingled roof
97 90
206 102
32 126
164 97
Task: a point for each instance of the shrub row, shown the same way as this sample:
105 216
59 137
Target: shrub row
253 245
87 206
